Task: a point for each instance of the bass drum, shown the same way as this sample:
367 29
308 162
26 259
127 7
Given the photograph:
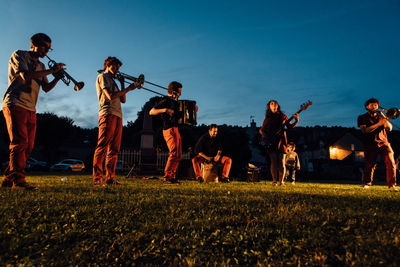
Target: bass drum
187 112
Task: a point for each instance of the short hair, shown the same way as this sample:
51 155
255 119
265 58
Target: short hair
111 60
292 144
174 86
38 39
212 126
371 100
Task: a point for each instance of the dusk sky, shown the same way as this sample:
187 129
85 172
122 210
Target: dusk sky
231 56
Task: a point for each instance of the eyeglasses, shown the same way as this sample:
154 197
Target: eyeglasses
47 48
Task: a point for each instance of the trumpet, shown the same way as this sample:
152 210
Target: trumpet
389 114
66 78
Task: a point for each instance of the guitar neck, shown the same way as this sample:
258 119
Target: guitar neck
292 117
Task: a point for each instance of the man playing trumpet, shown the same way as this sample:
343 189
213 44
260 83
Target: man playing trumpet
110 121
374 126
26 74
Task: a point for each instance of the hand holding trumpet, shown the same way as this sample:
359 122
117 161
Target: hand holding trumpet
60 74
58 70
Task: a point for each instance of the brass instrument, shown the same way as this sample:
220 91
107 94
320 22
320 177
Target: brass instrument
66 77
389 114
141 82
187 108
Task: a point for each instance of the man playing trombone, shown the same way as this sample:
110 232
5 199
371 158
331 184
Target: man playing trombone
26 74
110 121
374 125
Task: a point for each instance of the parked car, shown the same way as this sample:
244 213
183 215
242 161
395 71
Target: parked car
36 165
30 165
74 165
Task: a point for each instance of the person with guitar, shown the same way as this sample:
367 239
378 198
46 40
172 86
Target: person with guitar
274 136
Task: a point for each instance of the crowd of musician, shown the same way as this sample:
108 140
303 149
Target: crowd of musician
27 75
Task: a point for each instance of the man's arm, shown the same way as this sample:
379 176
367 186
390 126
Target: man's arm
218 156
48 86
42 74
157 111
364 129
201 154
298 162
121 94
294 124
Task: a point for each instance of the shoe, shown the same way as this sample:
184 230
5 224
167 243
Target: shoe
171 181
282 184
393 188
24 186
365 186
225 180
98 182
274 184
293 183
200 179
6 183
112 183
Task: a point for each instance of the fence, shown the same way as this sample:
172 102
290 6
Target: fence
131 158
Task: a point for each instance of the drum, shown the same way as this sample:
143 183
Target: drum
209 172
188 113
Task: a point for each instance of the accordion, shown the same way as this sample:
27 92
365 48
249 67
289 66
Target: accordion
187 112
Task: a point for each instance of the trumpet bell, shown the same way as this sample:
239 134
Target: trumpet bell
392 113
78 86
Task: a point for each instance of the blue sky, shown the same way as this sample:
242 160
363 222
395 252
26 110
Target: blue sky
230 56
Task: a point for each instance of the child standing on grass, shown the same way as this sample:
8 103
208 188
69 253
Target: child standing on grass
292 162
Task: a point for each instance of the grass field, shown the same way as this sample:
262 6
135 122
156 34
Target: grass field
147 222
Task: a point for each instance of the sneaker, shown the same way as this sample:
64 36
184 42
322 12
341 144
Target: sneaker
365 186
225 180
282 184
274 184
6 183
393 188
98 182
24 186
293 183
200 179
108 183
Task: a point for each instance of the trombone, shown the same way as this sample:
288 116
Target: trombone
66 78
141 82
389 114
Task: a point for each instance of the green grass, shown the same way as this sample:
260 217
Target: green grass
147 222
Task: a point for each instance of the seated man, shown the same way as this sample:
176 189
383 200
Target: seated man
209 149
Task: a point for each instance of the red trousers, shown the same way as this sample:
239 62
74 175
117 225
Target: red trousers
226 161
174 143
21 127
387 154
109 142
